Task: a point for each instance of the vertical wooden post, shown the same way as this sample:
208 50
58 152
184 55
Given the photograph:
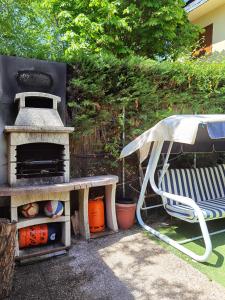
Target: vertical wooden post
66 240
110 195
7 254
83 213
66 232
123 159
14 218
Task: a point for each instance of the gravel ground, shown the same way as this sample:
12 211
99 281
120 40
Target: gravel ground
126 265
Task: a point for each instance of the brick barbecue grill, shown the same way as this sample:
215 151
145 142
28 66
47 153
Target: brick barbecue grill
38 142
34 152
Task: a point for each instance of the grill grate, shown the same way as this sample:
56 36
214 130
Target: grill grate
40 160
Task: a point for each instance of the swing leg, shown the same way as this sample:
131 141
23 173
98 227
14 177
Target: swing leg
149 175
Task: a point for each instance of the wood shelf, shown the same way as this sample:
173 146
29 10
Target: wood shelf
25 222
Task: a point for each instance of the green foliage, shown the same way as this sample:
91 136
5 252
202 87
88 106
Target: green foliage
149 91
152 28
27 30
62 29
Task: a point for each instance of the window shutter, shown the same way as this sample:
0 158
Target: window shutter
205 42
206 39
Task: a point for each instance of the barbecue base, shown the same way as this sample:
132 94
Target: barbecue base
29 197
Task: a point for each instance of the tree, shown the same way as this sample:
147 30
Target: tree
159 28
61 29
28 30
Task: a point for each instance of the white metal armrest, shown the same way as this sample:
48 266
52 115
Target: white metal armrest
184 200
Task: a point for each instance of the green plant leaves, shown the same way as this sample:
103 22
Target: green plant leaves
103 84
62 29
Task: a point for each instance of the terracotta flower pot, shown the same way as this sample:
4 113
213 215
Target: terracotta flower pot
125 214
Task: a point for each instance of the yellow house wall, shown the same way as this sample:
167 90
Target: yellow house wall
217 17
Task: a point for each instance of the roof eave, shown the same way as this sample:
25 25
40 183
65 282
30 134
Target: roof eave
193 5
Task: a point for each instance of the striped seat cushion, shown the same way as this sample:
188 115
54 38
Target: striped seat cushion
206 186
212 209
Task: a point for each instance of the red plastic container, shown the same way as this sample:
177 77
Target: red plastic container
125 214
96 214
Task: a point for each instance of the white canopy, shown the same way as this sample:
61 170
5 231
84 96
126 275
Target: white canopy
179 129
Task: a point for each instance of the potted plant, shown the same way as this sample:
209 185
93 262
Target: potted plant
125 212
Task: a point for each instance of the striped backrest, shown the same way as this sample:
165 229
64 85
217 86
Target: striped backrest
200 184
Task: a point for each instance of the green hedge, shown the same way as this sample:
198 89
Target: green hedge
99 87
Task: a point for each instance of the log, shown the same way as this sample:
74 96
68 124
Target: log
7 255
75 222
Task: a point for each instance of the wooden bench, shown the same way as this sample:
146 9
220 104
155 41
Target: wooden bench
28 194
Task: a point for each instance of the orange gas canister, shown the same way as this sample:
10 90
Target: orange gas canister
33 236
96 214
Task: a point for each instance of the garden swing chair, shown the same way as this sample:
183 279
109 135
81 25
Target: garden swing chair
193 195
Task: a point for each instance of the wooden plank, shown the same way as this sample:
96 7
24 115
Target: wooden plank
40 251
74 184
102 234
110 193
23 222
66 233
14 217
83 213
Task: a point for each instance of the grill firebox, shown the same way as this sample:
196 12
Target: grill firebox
38 142
40 160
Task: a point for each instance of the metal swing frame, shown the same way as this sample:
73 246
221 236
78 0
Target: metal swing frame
149 177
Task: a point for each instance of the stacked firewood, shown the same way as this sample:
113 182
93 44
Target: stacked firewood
7 254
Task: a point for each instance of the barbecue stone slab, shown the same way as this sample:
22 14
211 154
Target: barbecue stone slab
73 184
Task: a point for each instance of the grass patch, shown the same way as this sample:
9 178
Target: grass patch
214 269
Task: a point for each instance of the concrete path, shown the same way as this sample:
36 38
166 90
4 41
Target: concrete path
123 266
